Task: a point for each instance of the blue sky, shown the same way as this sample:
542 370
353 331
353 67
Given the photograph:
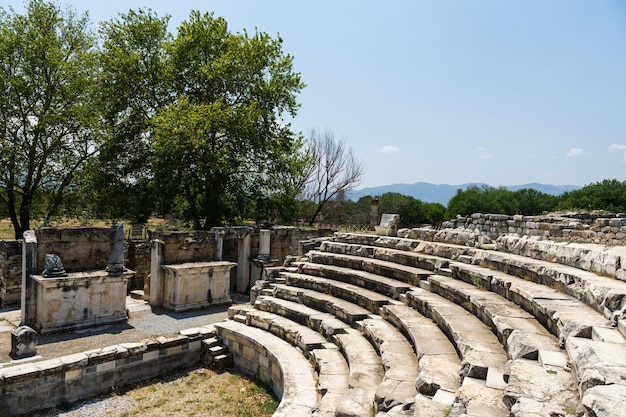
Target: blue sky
500 92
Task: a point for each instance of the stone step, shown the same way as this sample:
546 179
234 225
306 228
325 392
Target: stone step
476 344
366 373
396 271
562 314
222 362
136 294
363 279
399 362
216 351
304 338
354 295
516 329
287 371
439 363
398 385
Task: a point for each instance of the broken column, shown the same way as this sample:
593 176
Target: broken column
243 259
157 258
29 288
219 243
116 250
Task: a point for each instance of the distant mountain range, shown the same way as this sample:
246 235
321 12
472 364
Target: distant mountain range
442 193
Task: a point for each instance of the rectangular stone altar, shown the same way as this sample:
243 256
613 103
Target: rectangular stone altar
196 285
80 299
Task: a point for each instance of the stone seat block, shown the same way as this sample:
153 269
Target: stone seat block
477 345
366 373
368 280
539 382
516 329
399 361
596 363
439 363
288 372
353 294
296 334
324 323
391 269
475 398
562 314
333 378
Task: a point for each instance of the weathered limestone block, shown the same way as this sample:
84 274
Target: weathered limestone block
196 285
605 401
527 407
23 342
596 363
477 399
543 383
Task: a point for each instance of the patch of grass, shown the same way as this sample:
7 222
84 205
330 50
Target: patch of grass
196 392
478 282
447 411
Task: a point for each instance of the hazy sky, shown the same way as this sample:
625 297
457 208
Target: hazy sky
500 92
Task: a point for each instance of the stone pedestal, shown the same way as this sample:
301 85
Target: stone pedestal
23 342
196 285
81 299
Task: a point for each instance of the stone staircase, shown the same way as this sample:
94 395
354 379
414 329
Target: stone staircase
401 327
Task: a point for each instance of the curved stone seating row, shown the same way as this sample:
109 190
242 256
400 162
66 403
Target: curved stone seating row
438 360
398 386
474 352
274 361
606 295
525 341
365 366
396 271
564 315
331 367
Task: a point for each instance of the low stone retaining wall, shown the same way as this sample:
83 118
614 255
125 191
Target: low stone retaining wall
36 385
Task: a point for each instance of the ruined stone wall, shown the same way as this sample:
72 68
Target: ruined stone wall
10 272
87 248
181 247
607 230
80 248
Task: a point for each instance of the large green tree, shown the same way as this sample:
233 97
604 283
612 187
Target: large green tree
133 83
219 145
46 113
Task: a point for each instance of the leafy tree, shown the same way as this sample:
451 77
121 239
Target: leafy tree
607 195
46 119
132 84
532 202
221 143
333 170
